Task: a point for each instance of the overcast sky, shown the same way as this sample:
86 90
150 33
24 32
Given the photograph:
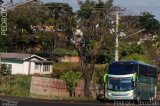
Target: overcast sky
135 6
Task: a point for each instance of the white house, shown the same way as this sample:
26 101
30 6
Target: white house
26 63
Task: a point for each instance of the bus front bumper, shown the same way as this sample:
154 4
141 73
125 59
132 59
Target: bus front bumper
121 96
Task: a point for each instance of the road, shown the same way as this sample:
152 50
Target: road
17 101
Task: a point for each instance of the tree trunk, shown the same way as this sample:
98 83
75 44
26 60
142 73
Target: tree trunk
87 92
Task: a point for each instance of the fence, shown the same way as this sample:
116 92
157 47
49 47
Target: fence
55 87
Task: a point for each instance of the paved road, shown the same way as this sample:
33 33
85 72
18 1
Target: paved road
17 101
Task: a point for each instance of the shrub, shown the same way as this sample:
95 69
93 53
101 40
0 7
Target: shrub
71 78
100 70
5 70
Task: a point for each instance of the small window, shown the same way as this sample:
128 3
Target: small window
36 66
46 68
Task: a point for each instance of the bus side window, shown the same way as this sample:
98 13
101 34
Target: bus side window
141 69
136 68
155 72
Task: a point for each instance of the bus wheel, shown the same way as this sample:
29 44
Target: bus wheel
151 98
138 99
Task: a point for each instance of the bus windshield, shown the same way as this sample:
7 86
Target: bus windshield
121 69
120 84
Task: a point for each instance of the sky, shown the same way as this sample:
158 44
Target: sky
133 6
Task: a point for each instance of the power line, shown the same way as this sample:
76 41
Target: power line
99 8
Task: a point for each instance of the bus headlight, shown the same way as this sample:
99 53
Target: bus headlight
130 95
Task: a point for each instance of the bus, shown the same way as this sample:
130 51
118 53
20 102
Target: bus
130 80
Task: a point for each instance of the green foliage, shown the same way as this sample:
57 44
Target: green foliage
63 51
5 43
138 57
5 70
46 39
133 51
60 68
60 13
148 22
106 54
71 78
129 49
100 70
15 85
91 44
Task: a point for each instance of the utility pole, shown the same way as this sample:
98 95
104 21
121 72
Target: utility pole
117 34
117 42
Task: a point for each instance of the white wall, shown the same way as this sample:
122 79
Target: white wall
23 68
17 68
26 65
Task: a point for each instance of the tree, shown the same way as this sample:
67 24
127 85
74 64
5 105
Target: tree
62 18
46 39
148 22
1 2
152 50
20 25
71 78
93 26
129 49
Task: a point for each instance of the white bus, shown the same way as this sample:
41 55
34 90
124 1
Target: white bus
130 80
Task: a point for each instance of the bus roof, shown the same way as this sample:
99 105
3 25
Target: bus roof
132 62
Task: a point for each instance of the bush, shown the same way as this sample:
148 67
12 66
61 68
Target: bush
5 70
100 70
71 78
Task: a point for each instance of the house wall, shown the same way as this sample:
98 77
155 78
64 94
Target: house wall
17 66
26 66
22 67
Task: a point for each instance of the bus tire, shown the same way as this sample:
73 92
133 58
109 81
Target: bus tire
151 98
138 97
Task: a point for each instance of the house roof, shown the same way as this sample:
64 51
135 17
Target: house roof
19 56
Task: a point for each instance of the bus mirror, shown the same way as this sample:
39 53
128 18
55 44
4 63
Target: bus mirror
134 77
105 78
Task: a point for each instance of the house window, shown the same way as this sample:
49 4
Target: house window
37 66
46 68
9 66
6 68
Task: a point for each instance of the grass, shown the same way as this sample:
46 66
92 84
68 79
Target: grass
15 85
